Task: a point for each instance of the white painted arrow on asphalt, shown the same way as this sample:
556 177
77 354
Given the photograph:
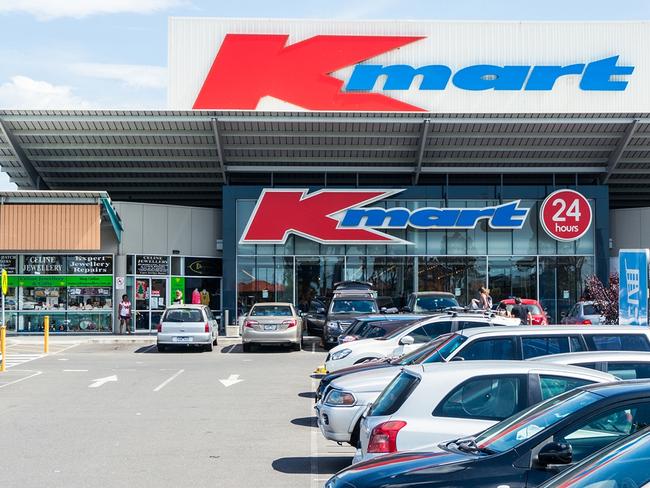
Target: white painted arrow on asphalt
233 379
102 381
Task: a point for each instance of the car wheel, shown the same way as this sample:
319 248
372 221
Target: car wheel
247 347
162 348
209 347
297 346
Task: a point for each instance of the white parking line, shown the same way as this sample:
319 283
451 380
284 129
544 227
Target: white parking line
75 370
313 467
36 373
168 380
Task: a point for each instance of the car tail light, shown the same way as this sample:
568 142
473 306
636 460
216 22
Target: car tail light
159 327
207 327
289 323
383 439
250 324
586 322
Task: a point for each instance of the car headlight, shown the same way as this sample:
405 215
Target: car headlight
341 354
340 398
333 325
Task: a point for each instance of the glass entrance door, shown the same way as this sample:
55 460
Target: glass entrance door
150 302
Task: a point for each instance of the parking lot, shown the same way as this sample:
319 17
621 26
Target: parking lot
126 415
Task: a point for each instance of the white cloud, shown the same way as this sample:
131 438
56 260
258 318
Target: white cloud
51 9
5 184
22 92
133 75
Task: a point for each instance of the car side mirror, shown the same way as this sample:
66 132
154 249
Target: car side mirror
392 310
406 308
458 358
320 311
406 340
383 309
555 453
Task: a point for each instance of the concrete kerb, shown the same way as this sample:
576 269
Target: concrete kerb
107 339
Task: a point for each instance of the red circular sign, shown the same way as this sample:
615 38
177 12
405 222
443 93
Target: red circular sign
565 215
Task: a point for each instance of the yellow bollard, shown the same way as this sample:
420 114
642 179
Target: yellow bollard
46 334
3 346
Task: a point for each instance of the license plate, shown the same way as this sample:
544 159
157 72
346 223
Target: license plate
270 327
182 339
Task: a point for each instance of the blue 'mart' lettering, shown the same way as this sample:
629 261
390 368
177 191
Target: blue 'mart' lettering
594 76
505 216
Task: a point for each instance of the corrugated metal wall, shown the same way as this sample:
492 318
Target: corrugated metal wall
50 227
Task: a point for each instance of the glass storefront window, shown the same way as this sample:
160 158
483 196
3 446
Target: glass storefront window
90 298
524 240
462 276
43 298
87 322
264 279
561 282
33 322
512 277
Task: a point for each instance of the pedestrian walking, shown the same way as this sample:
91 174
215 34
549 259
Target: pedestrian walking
125 315
521 312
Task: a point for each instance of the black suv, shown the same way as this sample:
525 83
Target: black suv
426 302
350 299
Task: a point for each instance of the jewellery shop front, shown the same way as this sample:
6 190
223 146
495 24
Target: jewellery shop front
75 290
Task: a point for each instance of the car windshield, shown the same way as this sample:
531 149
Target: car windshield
517 429
271 311
625 464
444 350
349 305
183 315
433 303
420 353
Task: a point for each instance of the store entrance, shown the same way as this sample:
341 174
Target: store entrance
150 301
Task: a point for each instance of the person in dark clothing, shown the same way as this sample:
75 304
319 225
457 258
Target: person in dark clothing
520 311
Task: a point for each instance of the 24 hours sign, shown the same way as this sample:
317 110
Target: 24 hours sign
566 215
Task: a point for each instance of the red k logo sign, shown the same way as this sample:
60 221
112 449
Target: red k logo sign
251 66
280 213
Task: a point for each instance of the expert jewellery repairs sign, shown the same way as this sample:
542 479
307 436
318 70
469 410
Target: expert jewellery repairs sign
441 67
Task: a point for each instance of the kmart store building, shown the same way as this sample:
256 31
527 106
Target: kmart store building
294 154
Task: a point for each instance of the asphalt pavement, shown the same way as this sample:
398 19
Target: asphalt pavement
116 415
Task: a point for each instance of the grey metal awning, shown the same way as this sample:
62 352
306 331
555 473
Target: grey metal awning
185 157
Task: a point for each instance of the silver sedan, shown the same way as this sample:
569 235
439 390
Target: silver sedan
272 323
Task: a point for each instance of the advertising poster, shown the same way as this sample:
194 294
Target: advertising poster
633 291
141 289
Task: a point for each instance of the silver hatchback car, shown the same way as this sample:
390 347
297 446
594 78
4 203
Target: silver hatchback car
272 323
187 324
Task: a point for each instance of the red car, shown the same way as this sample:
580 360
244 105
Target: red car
534 307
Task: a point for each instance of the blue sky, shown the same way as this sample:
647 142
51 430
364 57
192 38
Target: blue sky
113 53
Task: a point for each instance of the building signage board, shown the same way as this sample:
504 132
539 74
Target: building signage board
90 264
202 266
341 216
151 265
566 215
441 67
9 263
633 287
42 265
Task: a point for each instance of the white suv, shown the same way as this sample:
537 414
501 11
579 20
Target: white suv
428 404
409 338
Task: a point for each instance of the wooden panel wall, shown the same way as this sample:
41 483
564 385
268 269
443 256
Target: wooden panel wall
50 227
